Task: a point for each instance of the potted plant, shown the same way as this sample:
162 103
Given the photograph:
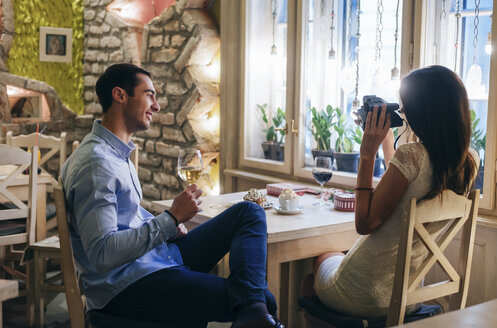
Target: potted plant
273 147
478 142
322 122
346 158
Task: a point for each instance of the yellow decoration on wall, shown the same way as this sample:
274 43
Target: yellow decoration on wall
23 58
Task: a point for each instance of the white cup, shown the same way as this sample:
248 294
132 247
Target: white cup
289 204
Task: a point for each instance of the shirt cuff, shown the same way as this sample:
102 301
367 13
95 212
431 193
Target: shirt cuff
167 225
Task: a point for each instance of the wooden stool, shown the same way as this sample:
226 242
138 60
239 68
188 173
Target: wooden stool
8 289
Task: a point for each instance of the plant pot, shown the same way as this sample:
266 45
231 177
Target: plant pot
324 153
347 162
378 167
479 179
273 151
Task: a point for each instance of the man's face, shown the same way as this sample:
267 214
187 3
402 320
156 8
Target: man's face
142 105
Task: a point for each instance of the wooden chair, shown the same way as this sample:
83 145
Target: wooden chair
14 161
408 289
74 298
459 212
52 145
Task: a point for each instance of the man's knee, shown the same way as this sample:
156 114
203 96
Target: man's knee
251 213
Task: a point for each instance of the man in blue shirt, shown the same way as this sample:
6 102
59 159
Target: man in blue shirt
135 265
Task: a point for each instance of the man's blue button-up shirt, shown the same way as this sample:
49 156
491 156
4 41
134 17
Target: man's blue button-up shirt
115 241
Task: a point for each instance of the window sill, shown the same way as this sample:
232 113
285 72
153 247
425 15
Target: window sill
339 179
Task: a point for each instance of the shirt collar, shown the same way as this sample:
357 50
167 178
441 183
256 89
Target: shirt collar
123 149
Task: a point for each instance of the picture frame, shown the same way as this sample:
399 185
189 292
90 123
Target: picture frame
55 44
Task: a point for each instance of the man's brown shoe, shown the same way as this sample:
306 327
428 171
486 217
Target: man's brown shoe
266 321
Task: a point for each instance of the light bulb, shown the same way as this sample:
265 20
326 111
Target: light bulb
488 45
273 50
331 54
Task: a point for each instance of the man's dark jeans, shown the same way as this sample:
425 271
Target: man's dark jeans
188 294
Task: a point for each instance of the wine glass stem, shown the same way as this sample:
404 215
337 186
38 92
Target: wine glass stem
321 202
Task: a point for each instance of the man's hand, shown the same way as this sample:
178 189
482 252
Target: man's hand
182 231
186 205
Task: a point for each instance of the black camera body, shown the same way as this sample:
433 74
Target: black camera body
368 105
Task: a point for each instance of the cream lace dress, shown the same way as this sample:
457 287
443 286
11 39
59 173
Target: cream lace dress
361 283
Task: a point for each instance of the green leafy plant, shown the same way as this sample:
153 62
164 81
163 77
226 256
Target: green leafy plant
478 138
278 121
322 122
347 135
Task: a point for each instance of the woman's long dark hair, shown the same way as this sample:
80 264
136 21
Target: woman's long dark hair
436 106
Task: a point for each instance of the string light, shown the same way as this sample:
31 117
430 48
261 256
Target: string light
456 43
273 47
395 70
332 53
348 72
476 90
356 103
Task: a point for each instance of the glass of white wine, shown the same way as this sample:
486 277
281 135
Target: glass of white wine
190 165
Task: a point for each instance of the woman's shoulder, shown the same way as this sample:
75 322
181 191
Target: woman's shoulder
413 151
408 158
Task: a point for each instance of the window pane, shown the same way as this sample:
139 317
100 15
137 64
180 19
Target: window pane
470 59
332 80
265 78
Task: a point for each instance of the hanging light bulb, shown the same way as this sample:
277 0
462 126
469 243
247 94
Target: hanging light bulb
273 47
488 45
476 90
395 74
332 53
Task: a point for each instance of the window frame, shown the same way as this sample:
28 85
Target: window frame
414 33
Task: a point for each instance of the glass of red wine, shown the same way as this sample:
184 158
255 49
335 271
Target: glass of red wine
322 172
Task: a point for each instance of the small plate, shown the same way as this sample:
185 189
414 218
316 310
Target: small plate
266 206
298 210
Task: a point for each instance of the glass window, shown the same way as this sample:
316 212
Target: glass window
265 79
462 43
364 48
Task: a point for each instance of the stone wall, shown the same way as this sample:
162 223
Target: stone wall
178 47
108 40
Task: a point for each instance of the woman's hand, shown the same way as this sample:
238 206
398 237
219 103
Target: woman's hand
374 132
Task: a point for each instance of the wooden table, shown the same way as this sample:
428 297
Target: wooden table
20 189
483 315
290 238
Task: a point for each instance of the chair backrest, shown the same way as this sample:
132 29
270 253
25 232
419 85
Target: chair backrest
460 213
75 304
13 162
53 144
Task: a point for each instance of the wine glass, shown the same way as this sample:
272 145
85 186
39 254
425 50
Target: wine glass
190 165
322 172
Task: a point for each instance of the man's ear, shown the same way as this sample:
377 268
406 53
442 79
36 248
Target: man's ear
119 95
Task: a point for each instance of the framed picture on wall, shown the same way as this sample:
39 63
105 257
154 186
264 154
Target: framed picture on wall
55 44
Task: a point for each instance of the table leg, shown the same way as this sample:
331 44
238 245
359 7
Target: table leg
37 295
41 212
277 278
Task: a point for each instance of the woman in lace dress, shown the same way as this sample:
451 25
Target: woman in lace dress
435 104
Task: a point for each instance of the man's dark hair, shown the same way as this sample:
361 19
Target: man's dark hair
117 75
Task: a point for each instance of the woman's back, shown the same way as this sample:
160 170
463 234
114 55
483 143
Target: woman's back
363 283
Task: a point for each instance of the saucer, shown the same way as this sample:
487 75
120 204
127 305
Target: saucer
298 210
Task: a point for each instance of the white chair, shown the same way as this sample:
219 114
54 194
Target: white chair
17 219
458 212
51 144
